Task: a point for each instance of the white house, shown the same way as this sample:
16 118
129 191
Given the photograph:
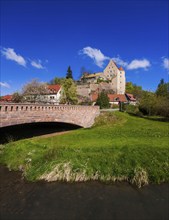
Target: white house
54 95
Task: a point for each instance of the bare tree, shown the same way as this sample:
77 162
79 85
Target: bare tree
34 89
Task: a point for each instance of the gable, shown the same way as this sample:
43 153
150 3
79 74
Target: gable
111 69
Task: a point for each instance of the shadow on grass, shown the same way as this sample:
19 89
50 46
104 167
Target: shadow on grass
152 118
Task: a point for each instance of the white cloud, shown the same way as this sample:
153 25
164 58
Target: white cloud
99 59
119 61
96 55
10 54
166 63
136 64
4 84
37 64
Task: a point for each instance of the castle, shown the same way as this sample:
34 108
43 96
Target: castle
112 75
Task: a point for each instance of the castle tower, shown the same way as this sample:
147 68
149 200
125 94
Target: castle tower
117 77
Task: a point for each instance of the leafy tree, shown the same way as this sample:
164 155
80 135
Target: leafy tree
162 106
103 100
129 87
57 80
134 89
17 97
69 73
147 103
163 89
69 93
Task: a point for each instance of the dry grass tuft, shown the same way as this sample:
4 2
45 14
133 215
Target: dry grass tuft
65 172
140 177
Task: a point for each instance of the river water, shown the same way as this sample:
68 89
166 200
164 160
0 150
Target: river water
22 200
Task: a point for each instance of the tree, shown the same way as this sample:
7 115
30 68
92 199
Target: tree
33 90
69 73
148 103
129 87
134 89
163 89
17 97
69 93
57 80
103 100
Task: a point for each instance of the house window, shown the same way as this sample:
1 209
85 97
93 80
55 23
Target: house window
116 99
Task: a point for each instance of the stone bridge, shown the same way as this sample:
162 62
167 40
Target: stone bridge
14 114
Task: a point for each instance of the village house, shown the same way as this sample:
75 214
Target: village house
53 95
131 99
115 99
6 98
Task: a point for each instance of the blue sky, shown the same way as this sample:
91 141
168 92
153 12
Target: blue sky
41 38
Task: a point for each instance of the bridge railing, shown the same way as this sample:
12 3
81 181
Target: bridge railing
10 107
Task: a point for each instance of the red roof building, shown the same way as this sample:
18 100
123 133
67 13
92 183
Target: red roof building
112 97
6 98
53 89
130 97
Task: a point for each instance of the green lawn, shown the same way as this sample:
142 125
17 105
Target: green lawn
118 147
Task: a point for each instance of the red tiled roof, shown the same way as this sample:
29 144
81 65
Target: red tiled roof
94 97
112 97
117 97
6 98
130 97
121 68
54 88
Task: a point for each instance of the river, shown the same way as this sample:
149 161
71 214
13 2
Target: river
22 200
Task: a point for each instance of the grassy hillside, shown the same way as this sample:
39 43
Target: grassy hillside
118 147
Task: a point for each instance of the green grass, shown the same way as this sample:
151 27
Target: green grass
118 147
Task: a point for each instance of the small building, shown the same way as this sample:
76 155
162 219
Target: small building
131 99
6 98
52 96
115 99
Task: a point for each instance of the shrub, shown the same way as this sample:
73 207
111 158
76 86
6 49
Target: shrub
152 104
103 100
133 109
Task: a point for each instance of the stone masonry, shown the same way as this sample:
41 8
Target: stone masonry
13 114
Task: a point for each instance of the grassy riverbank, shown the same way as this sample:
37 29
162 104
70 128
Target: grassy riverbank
118 147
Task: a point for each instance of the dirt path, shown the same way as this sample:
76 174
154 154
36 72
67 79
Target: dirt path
53 134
